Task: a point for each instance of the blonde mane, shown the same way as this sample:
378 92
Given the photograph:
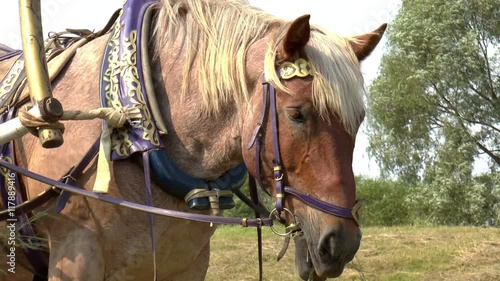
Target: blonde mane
218 35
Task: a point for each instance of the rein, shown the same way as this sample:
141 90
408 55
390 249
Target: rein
245 222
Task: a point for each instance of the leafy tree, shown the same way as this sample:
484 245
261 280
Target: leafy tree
449 201
435 106
385 202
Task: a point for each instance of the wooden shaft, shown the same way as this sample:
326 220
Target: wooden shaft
36 71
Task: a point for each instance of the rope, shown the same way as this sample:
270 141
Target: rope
116 117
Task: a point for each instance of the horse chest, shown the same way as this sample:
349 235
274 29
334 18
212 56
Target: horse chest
179 246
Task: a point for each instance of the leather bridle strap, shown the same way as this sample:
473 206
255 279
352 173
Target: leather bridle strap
259 208
321 205
245 222
252 186
257 135
277 168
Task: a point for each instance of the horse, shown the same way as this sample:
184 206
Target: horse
208 61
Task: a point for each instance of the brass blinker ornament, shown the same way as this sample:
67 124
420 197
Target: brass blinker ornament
299 68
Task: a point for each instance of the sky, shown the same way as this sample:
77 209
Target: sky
343 17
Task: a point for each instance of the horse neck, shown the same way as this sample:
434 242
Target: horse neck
203 145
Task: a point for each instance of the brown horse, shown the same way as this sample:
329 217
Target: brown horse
207 62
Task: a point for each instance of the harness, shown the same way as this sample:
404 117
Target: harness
125 83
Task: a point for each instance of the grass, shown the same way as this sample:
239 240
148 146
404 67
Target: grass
394 253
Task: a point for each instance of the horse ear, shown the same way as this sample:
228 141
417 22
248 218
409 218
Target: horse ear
364 44
296 37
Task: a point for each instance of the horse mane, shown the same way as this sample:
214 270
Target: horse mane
218 35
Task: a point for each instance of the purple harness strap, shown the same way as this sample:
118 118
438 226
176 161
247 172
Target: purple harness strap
75 173
139 207
257 136
277 168
321 205
10 55
30 205
37 258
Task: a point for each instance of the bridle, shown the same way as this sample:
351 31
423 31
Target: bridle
287 71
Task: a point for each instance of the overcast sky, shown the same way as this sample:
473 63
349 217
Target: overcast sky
343 17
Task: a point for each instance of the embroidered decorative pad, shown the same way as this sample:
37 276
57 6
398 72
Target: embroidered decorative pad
122 82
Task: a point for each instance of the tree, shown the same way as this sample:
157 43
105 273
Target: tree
385 202
435 105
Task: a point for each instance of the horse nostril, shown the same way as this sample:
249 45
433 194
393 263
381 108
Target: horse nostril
327 245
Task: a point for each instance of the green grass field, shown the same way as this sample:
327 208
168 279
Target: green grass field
396 253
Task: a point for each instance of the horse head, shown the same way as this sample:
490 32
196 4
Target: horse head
319 107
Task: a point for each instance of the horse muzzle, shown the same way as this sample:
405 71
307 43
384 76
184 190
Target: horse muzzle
318 258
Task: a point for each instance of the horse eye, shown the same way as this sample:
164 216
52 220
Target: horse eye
295 115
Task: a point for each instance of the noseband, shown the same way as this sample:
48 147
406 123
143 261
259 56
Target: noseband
301 69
